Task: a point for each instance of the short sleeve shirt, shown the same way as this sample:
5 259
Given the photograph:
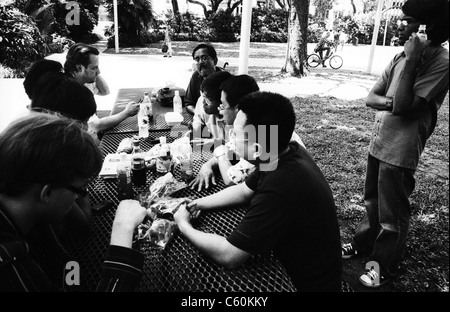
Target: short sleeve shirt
400 140
292 213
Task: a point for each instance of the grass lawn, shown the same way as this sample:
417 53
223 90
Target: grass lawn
337 133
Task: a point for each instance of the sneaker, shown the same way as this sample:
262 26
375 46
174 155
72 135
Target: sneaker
369 279
348 251
323 65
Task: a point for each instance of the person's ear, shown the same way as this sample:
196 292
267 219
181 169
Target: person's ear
78 67
46 193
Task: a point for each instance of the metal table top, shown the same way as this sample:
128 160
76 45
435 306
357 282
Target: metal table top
124 96
180 267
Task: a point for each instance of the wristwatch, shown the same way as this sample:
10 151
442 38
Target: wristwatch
389 104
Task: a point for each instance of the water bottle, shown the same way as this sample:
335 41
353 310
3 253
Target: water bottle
164 160
138 169
422 33
177 103
186 171
149 106
124 187
143 120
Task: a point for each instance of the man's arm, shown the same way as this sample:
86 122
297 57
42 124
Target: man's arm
214 246
105 123
405 101
233 195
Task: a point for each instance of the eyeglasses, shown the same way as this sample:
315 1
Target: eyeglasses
406 21
222 107
80 192
203 58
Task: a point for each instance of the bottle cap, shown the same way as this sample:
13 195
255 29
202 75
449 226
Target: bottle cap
145 93
163 140
177 92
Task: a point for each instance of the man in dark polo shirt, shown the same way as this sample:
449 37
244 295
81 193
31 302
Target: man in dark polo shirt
205 58
291 207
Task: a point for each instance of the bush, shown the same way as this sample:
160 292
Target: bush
21 42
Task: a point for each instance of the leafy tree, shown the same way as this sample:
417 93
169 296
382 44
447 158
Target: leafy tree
322 8
134 19
213 6
297 37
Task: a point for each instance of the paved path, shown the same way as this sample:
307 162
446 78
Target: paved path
125 70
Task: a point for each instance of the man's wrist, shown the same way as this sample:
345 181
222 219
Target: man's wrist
388 104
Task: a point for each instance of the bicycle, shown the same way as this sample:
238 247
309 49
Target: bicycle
313 60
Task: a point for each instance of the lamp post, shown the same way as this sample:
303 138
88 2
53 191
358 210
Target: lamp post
116 27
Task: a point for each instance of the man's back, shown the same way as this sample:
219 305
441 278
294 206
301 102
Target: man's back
293 213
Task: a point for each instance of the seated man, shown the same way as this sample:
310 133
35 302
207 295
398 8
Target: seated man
207 121
82 64
232 90
205 58
291 207
38 185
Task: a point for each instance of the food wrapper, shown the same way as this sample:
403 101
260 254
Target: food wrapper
239 172
165 208
125 146
158 233
165 186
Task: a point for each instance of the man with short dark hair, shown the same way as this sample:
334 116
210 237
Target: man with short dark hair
291 209
406 98
205 58
82 64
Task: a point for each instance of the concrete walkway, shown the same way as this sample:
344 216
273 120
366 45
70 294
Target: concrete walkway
126 70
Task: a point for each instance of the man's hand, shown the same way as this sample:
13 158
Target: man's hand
204 178
131 109
187 212
414 47
129 215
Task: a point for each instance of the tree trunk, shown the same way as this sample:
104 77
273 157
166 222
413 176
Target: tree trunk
297 38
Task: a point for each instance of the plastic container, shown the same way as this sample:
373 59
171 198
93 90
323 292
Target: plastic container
177 103
124 187
173 118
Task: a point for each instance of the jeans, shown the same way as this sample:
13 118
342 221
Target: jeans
384 227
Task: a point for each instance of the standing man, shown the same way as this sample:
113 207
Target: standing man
291 209
82 64
406 99
205 58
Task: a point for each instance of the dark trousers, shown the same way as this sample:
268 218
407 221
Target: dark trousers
384 227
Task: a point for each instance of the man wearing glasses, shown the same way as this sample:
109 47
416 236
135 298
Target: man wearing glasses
205 58
406 99
291 209
40 179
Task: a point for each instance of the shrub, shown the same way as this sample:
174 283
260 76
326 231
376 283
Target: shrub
21 42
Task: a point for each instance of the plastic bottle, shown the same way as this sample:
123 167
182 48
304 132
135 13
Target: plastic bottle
149 106
186 171
164 160
138 169
177 103
422 33
124 187
143 121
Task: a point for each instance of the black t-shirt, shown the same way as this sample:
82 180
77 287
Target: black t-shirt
292 212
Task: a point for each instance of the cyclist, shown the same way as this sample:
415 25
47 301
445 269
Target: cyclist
324 44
